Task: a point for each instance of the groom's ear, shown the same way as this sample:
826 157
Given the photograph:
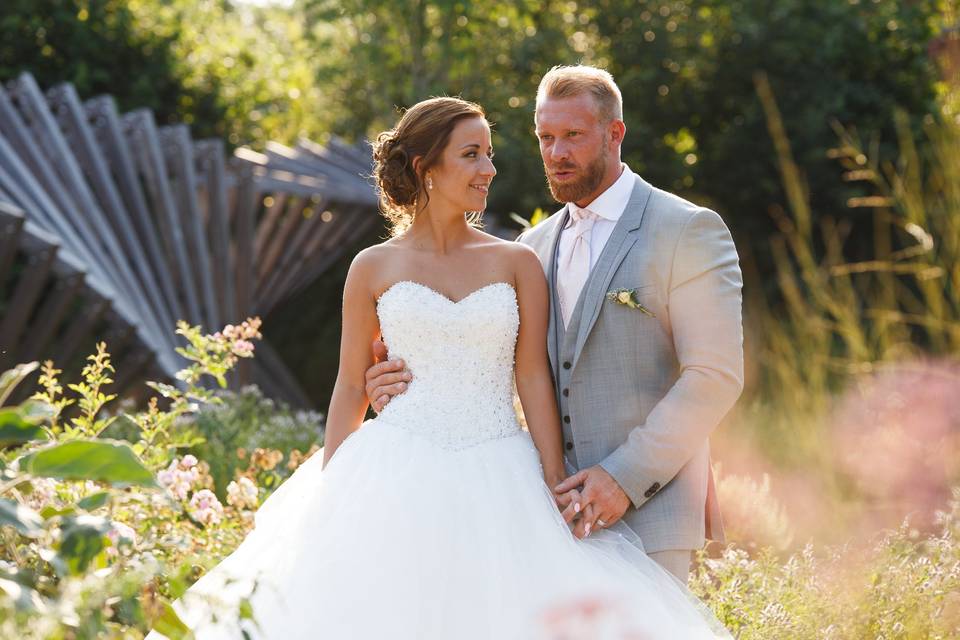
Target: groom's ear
617 130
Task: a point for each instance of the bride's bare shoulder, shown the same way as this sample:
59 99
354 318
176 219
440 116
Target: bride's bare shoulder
372 265
511 250
519 260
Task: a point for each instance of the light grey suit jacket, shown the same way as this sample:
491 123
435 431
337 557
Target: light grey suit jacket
640 395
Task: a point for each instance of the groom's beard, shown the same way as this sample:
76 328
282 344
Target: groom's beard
580 188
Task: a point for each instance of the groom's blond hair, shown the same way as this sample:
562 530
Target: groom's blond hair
567 81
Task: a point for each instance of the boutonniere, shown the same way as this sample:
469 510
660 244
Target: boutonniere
628 298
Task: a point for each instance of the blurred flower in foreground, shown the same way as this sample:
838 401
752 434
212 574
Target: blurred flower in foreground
590 618
243 493
180 477
205 507
897 435
118 534
752 517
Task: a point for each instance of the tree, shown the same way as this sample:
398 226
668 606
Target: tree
99 46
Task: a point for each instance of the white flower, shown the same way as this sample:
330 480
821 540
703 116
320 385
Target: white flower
180 476
243 494
44 491
243 348
623 297
205 507
120 533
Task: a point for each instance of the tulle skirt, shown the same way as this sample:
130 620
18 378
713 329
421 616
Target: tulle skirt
399 538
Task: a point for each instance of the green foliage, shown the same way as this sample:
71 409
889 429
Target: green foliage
381 56
695 123
83 523
82 538
210 355
24 520
52 394
247 72
685 69
91 399
111 462
10 379
840 319
102 48
245 421
18 427
899 586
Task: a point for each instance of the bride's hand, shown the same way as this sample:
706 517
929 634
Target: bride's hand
569 503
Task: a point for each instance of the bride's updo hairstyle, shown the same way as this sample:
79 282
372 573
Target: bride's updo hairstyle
424 130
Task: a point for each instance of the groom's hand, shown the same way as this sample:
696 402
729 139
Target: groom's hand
570 504
603 500
385 379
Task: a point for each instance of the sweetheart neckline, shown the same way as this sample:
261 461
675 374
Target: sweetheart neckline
444 296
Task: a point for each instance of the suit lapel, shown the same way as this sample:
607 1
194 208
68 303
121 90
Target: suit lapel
625 235
549 260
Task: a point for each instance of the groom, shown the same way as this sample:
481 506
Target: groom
645 337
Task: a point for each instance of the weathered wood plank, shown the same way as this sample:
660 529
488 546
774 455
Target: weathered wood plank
108 129
178 153
39 259
144 140
209 155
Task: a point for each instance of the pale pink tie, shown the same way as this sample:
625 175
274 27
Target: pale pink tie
574 266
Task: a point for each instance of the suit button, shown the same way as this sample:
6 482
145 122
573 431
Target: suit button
566 419
569 446
566 392
566 365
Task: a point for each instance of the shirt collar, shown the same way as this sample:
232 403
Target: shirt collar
610 204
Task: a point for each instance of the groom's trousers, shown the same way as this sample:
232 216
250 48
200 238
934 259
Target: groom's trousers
676 561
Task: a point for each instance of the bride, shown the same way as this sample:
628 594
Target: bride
434 521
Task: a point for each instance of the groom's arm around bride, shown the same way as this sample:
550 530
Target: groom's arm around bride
701 313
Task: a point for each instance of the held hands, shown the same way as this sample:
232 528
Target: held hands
386 378
591 497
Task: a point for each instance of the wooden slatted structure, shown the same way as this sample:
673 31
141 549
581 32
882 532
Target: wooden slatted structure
113 228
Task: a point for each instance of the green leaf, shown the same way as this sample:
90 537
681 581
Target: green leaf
539 215
166 390
111 461
246 610
27 521
18 426
169 624
84 537
37 411
50 511
24 598
11 378
94 501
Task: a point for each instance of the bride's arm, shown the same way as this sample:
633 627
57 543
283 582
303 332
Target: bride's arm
534 382
348 405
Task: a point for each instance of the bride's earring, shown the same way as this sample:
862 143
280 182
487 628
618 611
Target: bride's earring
429 183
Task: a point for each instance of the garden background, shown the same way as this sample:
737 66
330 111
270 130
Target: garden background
825 132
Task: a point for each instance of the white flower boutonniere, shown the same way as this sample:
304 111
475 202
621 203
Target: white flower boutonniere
628 298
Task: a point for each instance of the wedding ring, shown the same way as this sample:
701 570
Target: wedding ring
601 523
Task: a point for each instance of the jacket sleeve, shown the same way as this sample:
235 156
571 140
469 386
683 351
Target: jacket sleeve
704 305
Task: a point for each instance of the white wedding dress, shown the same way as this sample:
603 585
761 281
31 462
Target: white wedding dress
432 521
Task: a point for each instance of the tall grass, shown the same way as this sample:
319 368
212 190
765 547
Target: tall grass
832 325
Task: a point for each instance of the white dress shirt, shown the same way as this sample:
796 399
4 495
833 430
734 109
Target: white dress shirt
608 207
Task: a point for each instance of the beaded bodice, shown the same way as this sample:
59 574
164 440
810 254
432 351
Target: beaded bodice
461 355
